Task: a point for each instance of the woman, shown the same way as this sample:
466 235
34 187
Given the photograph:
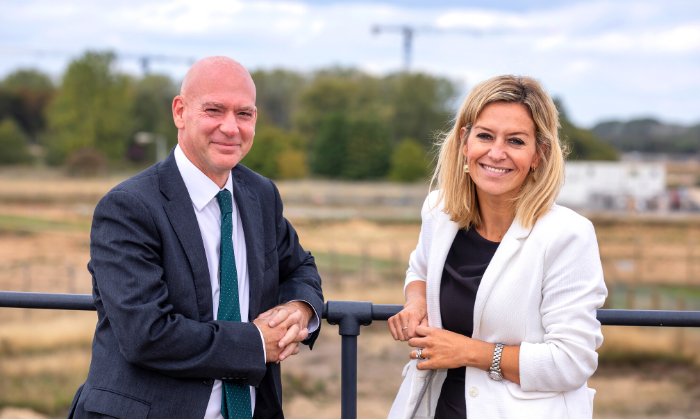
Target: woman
502 289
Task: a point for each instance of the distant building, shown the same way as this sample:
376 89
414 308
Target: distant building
614 186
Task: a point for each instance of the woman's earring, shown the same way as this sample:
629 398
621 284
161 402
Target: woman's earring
532 169
466 168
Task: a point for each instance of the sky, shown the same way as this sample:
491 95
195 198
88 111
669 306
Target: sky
605 59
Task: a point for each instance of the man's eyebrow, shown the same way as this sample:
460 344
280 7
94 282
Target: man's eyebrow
212 104
247 108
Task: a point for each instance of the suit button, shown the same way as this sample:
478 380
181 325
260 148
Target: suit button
208 382
473 391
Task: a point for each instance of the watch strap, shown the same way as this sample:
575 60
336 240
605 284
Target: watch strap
496 364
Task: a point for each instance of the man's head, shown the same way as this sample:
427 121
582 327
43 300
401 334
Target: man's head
215 115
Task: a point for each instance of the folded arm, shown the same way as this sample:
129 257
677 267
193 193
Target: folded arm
572 290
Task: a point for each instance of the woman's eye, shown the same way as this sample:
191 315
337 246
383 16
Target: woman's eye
517 141
484 136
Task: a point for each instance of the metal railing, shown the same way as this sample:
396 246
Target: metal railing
349 316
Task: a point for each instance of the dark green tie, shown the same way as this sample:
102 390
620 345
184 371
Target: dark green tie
235 398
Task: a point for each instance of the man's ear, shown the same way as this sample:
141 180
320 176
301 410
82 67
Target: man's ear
178 112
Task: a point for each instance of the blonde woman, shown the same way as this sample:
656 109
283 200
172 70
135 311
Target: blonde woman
502 289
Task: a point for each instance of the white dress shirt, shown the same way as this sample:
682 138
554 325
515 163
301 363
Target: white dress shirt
203 191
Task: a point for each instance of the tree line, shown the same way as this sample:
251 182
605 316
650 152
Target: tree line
335 123
650 136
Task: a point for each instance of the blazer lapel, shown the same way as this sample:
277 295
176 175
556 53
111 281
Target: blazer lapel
249 209
182 218
510 244
445 232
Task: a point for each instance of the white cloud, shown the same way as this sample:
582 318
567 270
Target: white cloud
181 16
480 20
643 49
679 39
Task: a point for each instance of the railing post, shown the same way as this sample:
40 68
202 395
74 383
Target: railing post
348 377
349 316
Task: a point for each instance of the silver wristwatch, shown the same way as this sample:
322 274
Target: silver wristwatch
495 370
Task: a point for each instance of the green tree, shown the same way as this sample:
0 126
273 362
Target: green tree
24 96
368 150
275 153
93 109
421 105
152 112
14 144
340 91
277 98
583 144
409 162
386 109
331 146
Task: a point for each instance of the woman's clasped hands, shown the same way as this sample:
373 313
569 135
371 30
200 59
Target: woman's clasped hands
440 348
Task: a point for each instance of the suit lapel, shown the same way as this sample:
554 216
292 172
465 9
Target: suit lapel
182 218
510 244
250 211
445 232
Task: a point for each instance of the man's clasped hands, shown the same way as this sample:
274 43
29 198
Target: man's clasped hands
283 328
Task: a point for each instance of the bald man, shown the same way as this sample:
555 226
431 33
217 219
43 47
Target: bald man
200 283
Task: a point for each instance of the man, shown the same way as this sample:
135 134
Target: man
182 256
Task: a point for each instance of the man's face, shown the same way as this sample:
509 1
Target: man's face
216 120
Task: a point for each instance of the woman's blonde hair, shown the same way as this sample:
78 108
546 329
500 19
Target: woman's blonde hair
540 188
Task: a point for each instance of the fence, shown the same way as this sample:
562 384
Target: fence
350 316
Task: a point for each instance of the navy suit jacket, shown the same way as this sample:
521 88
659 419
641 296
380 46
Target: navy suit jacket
157 348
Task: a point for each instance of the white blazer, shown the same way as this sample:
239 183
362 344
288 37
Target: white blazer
540 291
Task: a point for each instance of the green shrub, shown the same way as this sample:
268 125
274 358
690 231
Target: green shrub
276 154
408 162
14 144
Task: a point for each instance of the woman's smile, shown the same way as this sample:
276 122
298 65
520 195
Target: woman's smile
494 171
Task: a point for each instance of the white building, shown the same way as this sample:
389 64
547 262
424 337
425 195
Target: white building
614 185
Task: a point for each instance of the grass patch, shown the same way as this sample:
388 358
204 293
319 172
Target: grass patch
302 384
641 358
350 263
23 224
50 394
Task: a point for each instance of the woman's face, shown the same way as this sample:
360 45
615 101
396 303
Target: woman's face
501 149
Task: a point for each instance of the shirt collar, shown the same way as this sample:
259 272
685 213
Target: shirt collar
200 187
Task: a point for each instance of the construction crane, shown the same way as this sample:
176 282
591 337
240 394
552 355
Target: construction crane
144 59
409 31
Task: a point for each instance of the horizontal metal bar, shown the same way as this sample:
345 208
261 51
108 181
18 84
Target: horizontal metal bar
46 301
621 317
384 312
638 318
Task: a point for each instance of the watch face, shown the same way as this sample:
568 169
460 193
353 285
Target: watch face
495 375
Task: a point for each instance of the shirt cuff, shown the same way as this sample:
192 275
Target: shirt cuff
263 343
315 321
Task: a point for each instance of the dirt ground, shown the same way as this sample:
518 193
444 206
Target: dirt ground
44 359
44 355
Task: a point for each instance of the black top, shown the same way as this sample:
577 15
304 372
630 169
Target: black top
466 263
